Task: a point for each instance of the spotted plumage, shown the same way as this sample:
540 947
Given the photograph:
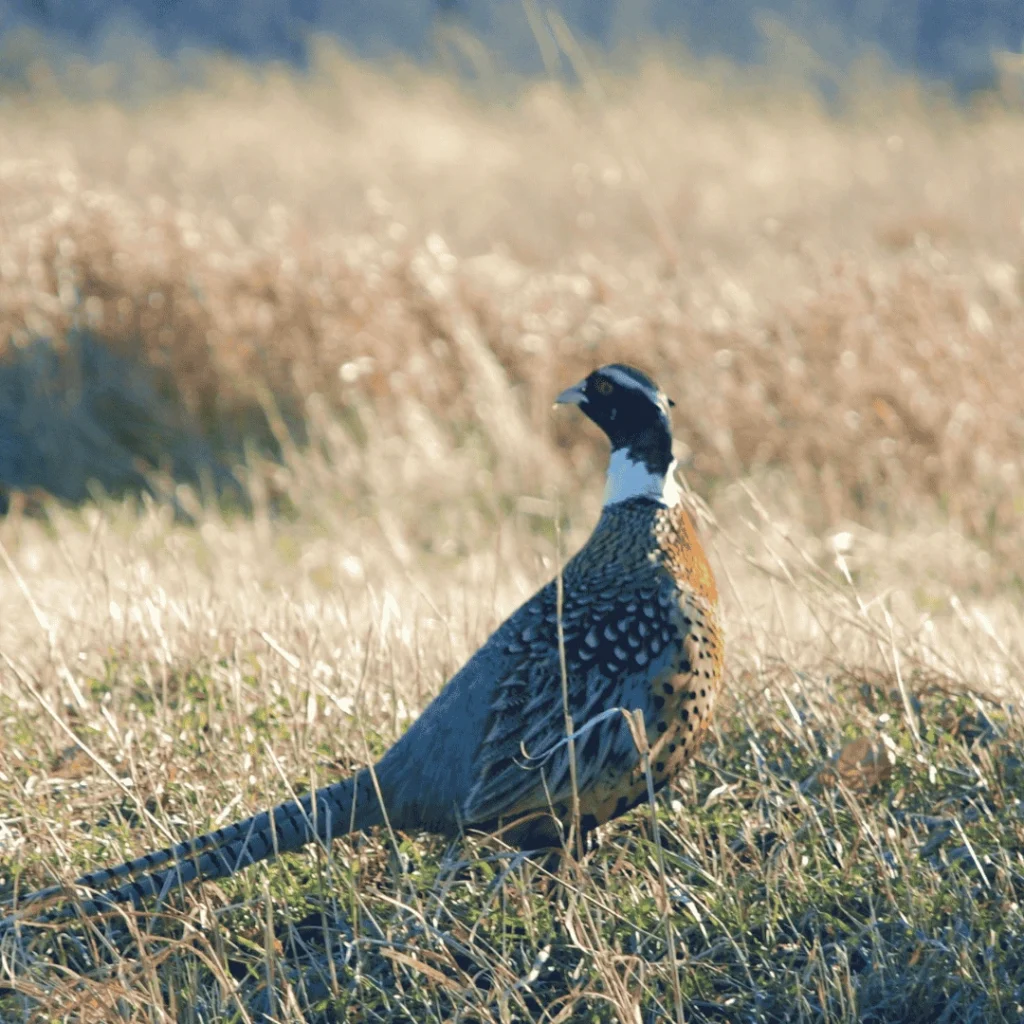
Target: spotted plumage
639 630
642 646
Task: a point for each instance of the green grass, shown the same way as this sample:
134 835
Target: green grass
795 888
899 905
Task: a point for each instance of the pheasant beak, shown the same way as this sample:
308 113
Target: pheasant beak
576 395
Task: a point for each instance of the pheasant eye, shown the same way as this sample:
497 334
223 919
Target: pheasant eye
604 388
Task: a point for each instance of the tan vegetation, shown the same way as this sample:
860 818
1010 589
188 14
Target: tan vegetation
381 281
834 297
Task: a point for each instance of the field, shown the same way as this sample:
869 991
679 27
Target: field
304 336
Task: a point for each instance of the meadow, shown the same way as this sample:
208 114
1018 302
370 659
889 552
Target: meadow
285 348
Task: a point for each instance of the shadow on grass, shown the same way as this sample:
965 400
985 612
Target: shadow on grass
77 417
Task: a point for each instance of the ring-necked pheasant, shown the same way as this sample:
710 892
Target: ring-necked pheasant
639 631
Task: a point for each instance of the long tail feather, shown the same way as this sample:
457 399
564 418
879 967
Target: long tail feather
346 806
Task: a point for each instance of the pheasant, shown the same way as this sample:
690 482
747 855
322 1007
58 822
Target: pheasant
639 630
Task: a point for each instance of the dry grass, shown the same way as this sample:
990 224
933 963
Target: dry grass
835 298
381 283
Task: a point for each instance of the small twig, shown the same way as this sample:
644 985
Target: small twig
574 832
268 949
635 721
290 659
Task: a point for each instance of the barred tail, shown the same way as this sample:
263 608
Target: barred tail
347 806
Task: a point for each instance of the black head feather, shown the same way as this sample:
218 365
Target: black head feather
631 409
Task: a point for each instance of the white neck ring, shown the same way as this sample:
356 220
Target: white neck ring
630 479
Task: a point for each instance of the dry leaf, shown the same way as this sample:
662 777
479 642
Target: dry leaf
861 765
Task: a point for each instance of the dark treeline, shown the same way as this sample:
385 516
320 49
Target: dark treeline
951 40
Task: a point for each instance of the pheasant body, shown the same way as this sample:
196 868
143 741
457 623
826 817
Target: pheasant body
633 632
639 630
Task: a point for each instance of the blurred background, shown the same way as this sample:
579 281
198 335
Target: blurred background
950 40
387 234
